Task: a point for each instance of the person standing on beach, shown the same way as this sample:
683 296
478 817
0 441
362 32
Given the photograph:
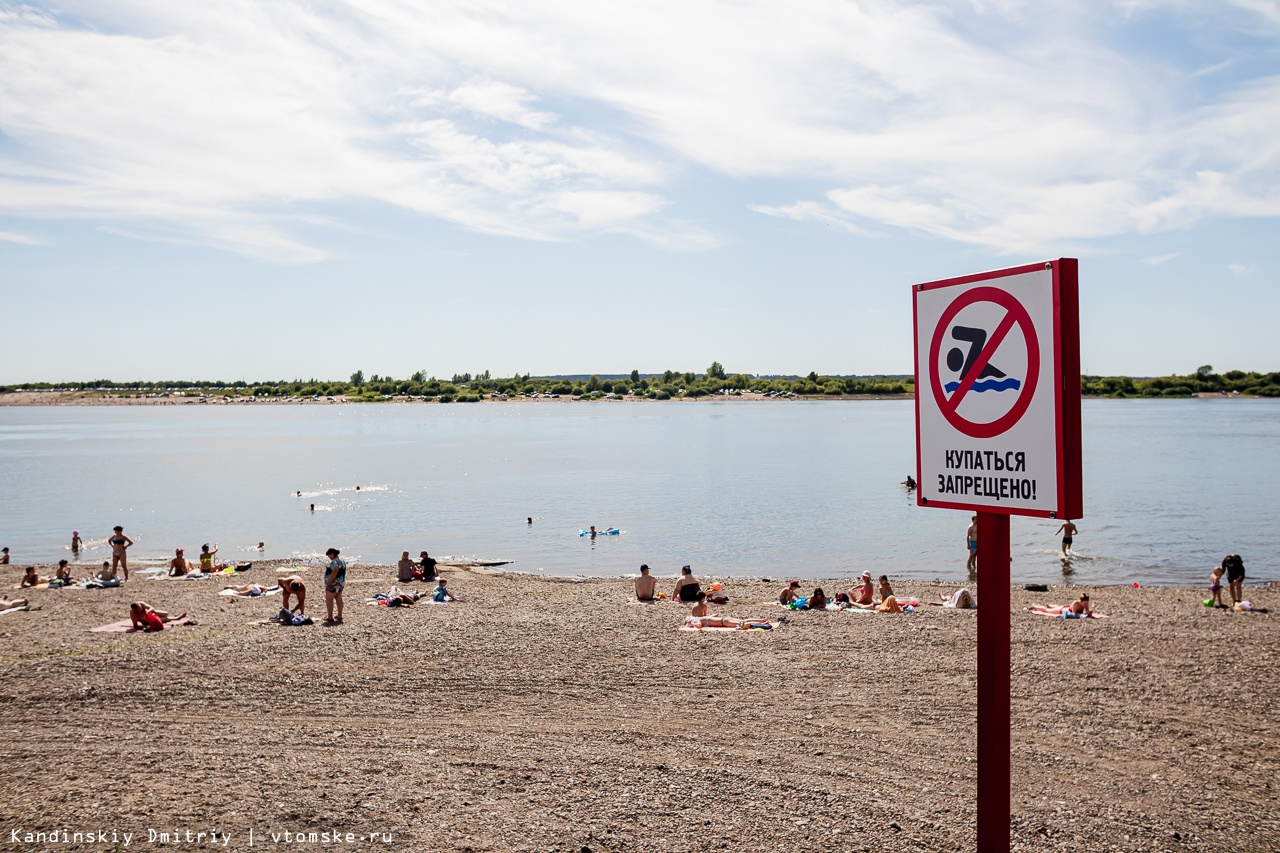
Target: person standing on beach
971 535
335 579
1068 531
1235 576
645 584
293 585
119 545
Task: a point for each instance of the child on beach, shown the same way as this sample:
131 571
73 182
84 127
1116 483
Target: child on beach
442 594
31 578
1215 586
789 594
63 576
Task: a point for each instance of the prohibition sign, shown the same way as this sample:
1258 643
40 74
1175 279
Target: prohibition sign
1016 314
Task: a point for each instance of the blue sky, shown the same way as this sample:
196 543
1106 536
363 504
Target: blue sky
248 189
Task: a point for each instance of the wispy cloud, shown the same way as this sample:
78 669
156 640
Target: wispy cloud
1157 260
23 239
231 122
1240 269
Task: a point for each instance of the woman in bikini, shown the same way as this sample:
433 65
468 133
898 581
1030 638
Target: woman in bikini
206 557
700 622
119 545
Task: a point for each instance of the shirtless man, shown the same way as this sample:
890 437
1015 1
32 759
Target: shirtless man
789 594
293 585
1068 531
645 584
119 546
971 537
8 603
4 556
31 578
145 617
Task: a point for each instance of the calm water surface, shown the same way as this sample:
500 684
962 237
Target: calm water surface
733 488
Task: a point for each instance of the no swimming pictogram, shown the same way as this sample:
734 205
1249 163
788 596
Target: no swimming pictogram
971 363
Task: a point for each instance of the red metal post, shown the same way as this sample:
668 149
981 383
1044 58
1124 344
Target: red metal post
994 797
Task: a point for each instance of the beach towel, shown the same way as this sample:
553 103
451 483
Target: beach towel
1066 614
687 627
125 626
41 585
189 576
231 593
13 609
284 617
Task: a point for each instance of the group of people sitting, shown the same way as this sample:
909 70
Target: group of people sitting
180 566
862 596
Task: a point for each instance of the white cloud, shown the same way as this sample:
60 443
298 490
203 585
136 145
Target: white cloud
1157 260
230 122
1239 269
22 239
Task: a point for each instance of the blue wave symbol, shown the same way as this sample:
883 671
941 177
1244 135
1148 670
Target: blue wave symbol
1006 384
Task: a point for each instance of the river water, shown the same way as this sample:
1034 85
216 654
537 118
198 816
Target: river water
786 488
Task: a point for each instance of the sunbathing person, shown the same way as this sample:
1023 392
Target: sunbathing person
293 585
646 584
961 599
31 578
700 622
180 565
147 618
251 589
817 601
406 568
1078 609
889 605
863 595
700 606
7 603
404 599
789 594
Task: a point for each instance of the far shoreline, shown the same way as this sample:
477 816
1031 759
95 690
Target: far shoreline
91 398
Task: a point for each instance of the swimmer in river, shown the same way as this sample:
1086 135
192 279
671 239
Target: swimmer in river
971 538
1068 531
910 483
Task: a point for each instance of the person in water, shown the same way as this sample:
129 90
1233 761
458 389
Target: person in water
119 548
75 542
1068 531
910 483
645 584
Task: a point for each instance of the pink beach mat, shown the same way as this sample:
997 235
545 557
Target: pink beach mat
125 626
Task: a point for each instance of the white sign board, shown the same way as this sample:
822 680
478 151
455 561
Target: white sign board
990 402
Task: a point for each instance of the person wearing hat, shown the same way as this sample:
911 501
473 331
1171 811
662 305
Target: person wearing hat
687 586
864 595
789 594
180 565
645 584
427 568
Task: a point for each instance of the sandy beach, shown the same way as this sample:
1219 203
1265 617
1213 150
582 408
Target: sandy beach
540 715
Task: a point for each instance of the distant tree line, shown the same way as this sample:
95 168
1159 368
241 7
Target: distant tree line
670 384
1203 381
464 387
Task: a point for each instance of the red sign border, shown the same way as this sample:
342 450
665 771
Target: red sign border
1066 360
1006 421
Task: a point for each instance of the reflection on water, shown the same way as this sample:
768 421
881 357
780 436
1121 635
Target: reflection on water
764 488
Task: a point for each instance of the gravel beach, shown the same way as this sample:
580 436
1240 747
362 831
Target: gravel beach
541 715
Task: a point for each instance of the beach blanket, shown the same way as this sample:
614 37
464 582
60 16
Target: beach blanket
41 585
279 620
189 576
231 593
125 626
13 609
94 583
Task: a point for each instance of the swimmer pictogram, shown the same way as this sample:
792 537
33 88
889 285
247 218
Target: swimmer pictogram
969 362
